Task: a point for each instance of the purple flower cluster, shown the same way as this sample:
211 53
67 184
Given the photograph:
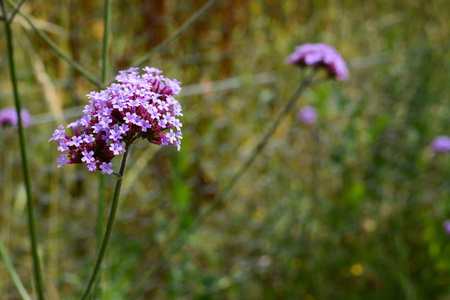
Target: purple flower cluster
139 106
8 116
441 144
307 115
320 55
446 226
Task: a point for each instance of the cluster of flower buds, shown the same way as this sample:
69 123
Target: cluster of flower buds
138 106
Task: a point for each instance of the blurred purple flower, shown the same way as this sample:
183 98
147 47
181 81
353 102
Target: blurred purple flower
446 226
320 55
8 116
441 144
139 106
307 115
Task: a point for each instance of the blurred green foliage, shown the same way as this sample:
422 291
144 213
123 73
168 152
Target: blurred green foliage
349 208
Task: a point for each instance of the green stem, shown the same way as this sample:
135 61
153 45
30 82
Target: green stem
23 152
107 25
181 238
101 210
194 18
109 225
89 76
12 272
16 9
102 178
102 183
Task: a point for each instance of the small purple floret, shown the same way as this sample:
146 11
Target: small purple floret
76 140
63 146
106 168
88 156
62 160
92 167
59 134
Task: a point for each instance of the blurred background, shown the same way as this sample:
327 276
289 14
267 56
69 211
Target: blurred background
350 207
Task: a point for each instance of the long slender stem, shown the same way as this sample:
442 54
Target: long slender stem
88 75
23 152
16 9
102 182
100 218
102 177
12 272
109 225
106 31
182 236
4 11
194 18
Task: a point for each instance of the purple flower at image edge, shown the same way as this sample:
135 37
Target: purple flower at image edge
320 55
8 117
138 106
307 115
441 144
446 226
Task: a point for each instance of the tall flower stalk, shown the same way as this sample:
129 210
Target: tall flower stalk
102 177
23 152
109 226
138 107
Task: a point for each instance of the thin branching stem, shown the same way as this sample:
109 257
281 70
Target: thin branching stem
194 18
182 236
109 225
12 272
88 75
23 153
16 9
4 11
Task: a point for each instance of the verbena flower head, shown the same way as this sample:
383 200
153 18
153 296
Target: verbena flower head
441 144
320 55
8 116
139 106
446 226
307 115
